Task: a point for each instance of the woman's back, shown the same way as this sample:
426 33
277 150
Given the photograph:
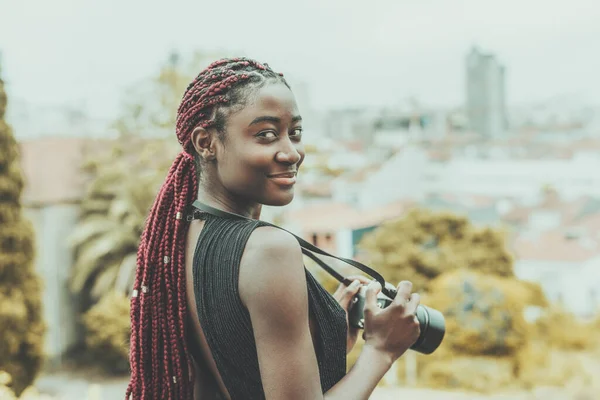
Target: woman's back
226 340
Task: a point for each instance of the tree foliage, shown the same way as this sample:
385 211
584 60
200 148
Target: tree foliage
423 244
484 313
124 181
107 338
21 326
562 330
467 273
6 393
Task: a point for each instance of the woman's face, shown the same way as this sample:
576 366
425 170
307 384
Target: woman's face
262 149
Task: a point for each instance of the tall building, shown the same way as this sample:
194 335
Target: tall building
486 94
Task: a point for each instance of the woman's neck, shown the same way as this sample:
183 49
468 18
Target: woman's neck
227 203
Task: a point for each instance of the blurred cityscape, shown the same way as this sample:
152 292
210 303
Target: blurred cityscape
532 170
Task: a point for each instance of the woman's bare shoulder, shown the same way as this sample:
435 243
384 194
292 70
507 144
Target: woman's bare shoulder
272 262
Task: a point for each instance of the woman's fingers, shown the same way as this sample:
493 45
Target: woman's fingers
403 295
372 291
412 304
346 295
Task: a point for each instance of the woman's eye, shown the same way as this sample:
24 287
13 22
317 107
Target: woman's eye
297 132
267 135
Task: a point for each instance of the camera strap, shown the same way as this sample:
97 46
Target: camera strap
307 248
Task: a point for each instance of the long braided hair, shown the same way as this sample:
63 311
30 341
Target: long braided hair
161 366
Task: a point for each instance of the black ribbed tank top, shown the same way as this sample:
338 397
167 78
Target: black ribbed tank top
226 321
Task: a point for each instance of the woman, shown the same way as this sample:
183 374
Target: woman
224 308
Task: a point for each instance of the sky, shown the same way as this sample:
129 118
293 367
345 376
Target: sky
348 52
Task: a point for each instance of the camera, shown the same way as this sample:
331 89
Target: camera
431 321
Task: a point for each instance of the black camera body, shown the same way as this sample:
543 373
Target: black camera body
432 323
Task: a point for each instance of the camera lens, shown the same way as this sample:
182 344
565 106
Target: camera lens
433 328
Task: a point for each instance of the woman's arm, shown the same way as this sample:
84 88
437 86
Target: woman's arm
361 380
273 287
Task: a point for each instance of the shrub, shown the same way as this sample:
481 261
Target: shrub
107 338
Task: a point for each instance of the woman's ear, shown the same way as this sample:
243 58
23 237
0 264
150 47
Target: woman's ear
203 141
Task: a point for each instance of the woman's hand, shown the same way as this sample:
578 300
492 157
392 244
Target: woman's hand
394 329
344 295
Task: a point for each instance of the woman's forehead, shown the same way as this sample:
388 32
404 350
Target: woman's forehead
272 99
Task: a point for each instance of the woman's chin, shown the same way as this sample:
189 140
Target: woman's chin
279 199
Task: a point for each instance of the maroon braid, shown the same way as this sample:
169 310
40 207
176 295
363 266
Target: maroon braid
161 366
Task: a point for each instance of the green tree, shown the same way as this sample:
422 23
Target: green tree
21 326
466 272
484 313
107 325
125 178
424 244
124 181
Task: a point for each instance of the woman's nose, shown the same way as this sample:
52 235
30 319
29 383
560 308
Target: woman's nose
289 154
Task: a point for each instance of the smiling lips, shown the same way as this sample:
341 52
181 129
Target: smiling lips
284 178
